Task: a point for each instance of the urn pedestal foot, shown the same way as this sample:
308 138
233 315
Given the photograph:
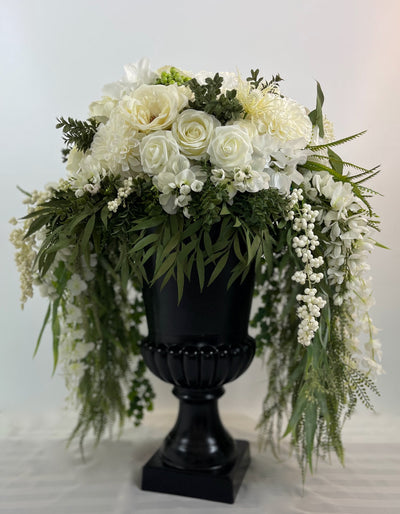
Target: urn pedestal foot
220 486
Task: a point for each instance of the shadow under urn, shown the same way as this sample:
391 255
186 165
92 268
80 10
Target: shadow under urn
198 346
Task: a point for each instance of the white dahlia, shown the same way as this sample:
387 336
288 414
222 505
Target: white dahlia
285 119
116 146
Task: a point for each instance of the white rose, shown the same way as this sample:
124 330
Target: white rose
193 130
230 147
156 150
151 108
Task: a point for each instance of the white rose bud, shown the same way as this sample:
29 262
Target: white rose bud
196 186
155 151
193 130
230 147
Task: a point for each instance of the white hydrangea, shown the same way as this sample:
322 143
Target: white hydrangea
135 75
177 185
76 285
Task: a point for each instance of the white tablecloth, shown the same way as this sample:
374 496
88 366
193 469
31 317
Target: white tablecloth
39 476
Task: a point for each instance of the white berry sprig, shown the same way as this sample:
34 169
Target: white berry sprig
303 220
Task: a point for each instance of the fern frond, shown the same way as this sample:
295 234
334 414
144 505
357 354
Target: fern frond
337 142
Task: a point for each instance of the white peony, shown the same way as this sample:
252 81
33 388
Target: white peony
193 131
156 150
151 108
230 147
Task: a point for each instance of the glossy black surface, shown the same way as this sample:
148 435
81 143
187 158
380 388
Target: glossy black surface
220 486
197 364
198 440
198 346
215 314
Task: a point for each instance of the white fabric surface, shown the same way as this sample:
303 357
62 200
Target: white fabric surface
39 476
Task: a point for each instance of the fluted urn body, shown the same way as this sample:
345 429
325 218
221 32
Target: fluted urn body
198 345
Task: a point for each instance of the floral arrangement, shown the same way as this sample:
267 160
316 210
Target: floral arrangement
163 157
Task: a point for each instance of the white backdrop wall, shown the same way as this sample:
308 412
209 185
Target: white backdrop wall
55 57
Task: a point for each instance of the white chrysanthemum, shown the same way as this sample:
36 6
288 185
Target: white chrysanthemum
90 173
285 119
255 101
116 146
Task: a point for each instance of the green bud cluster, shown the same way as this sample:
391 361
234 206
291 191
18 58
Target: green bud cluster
174 76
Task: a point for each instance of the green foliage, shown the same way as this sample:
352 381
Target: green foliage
316 116
256 81
335 165
208 98
141 394
77 133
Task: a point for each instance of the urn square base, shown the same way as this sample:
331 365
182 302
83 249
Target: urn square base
207 485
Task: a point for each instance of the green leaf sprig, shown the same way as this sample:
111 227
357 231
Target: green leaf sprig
208 98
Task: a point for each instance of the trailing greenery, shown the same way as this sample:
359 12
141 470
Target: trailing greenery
179 245
311 391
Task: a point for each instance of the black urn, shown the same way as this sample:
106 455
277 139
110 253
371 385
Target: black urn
198 345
